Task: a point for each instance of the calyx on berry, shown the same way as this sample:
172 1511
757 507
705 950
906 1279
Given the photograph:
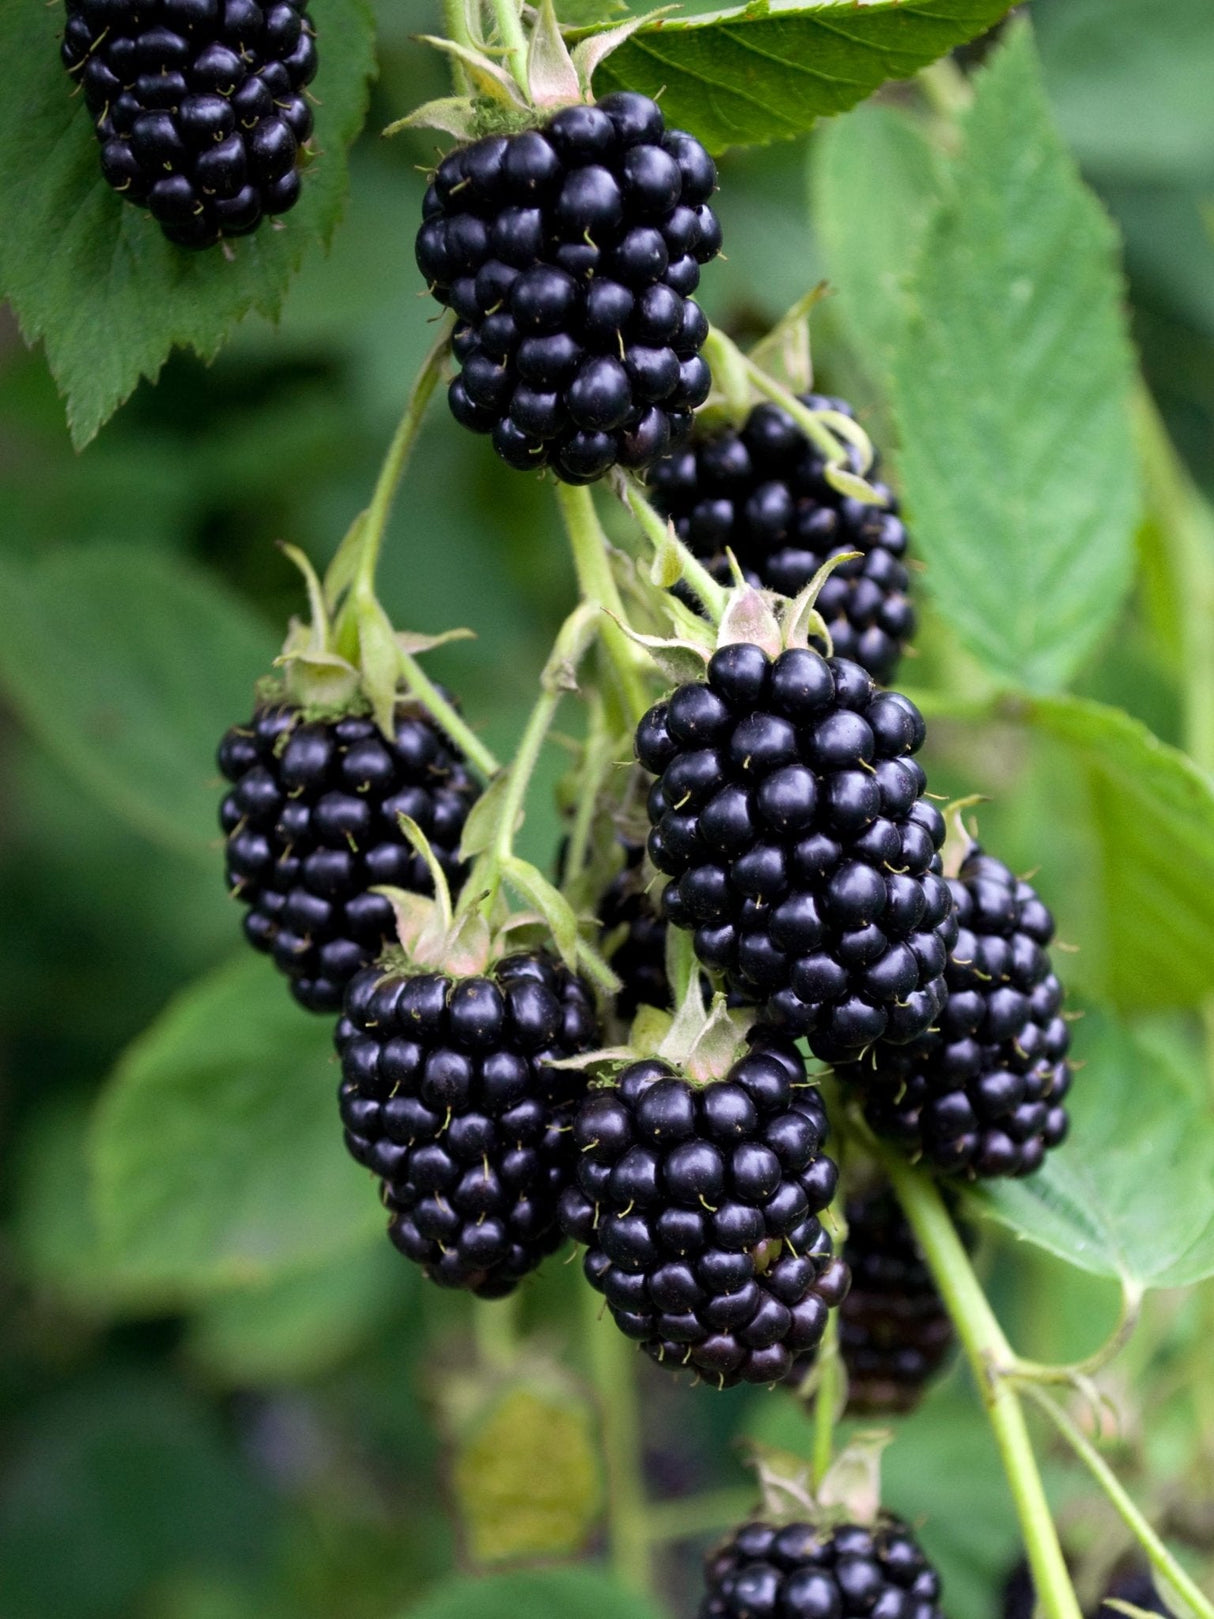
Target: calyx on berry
555 76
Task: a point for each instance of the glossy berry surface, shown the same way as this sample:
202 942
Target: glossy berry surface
760 492
448 1095
788 812
569 255
699 1206
894 1331
798 1571
983 1092
311 826
198 106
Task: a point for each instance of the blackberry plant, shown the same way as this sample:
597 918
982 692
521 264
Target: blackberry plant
614 1058
199 107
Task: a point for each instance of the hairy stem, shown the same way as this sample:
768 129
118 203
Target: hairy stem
447 716
657 531
456 24
989 1357
826 1398
376 519
1159 1556
514 41
592 563
612 1360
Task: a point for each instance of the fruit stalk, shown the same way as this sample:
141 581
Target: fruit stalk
612 1361
589 546
510 31
990 1358
1161 1559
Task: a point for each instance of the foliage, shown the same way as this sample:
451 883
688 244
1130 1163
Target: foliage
224 1390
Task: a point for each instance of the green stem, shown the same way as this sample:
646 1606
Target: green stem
990 1357
826 1399
1160 1557
447 716
510 32
456 24
375 520
657 532
612 1360
575 634
596 582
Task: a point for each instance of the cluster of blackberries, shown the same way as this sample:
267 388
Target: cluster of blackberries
698 1206
982 1093
803 1571
198 106
570 255
893 1328
788 813
760 492
449 1096
312 824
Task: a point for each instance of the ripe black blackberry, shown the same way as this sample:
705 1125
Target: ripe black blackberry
570 254
1130 1582
634 934
698 1205
801 1571
983 1092
198 106
760 491
312 825
448 1095
894 1331
790 818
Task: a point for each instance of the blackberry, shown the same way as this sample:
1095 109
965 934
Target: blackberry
448 1095
893 1328
634 934
198 106
789 816
760 492
981 1094
805 1572
570 254
312 825
698 1206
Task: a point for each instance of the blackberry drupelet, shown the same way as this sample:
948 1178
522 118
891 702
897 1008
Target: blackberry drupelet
789 816
635 936
448 1095
570 254
698 1206
312 825
198 106
894 1331
760 492
981 1094
806 1572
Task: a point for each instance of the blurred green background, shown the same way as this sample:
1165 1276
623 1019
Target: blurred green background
273 1448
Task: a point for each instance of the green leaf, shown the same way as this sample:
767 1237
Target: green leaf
217 1152
1131 1192
94 277
1011 392
128 666
555 1593
764 72
876 181
303 1323
1152 819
